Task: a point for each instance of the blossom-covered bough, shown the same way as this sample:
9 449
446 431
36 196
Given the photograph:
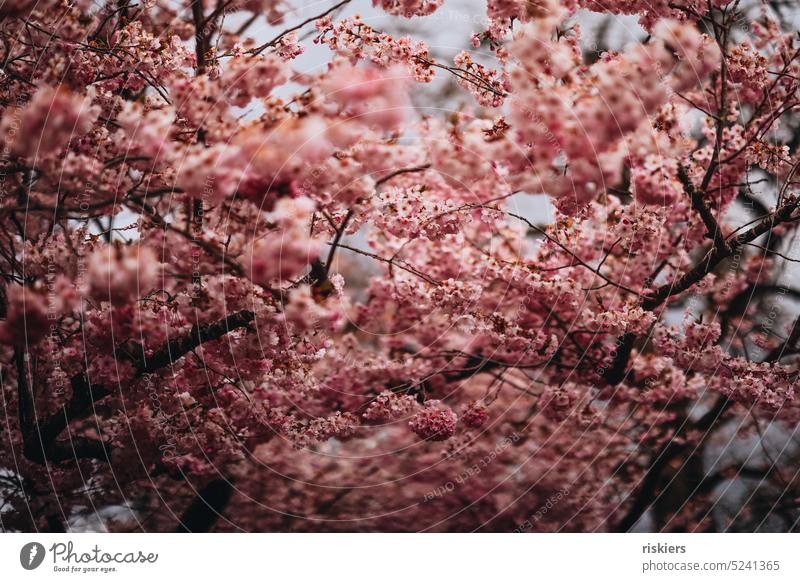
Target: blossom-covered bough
243 295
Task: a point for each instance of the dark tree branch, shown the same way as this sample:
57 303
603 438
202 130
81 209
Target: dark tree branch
615 373
179 347
652 480
40 439
713 230
25 396
200 36
789 346
40 442
400 172
713 257
206 508
260 49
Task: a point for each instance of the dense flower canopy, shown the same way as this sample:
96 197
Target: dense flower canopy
239 294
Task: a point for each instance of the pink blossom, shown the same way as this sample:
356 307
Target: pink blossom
121 274
474 415
285 252
409 8
225 271
285 151
372 96
655 180
27 319
389 405
244 79
211 173
435 422
48 122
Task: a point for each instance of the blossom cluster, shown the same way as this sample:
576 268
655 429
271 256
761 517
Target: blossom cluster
219 267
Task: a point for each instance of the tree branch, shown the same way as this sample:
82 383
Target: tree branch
40 439
260 49
200 37
789 346
179 347
713 258
676 445
206 508
713 230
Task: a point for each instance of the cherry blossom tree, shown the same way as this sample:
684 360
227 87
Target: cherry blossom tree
241 295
